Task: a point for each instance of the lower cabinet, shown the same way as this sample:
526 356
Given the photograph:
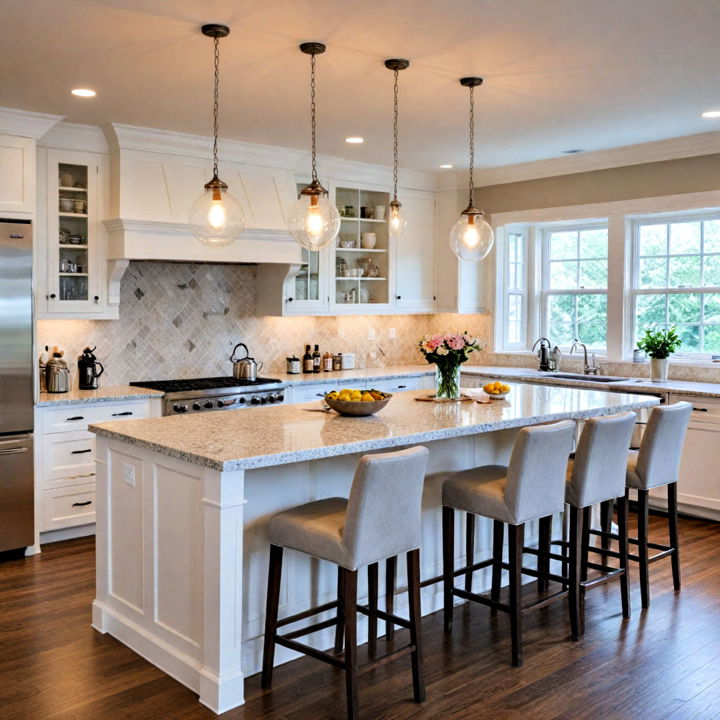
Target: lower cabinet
65 458
302 393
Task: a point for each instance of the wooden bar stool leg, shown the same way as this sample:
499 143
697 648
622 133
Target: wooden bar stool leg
586 521
605 525
469 549
543 562
575 548
448 526
390 573
413 573
340 617
622 508
372 607
271 613
643 547
517 536
351 665
497 549
674 539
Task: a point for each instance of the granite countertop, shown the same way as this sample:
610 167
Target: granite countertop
379 373
111 393
281 434
632 385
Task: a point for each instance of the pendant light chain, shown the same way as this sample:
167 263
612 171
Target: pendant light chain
472 142
216 105
312 115
395 136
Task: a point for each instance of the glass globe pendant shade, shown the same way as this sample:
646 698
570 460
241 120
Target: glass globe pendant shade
313 221
471 238
216 217
396 220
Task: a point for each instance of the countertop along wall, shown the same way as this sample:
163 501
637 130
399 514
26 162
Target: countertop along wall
181 320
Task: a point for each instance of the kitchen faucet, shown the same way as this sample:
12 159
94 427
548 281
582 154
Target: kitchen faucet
543 353
588 369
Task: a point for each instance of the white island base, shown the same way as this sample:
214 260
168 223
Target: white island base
182 550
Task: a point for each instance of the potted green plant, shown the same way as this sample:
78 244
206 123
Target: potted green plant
659 345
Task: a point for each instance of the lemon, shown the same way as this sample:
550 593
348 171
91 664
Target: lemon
367 397
356 395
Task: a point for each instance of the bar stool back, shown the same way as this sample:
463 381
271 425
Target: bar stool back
381 519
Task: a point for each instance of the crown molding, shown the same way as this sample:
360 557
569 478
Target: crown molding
656 151
25 123
74 136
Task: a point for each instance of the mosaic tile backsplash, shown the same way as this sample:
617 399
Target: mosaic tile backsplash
181 320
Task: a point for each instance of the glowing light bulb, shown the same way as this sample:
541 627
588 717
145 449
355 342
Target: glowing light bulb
217 215
471 238
396 220
313 221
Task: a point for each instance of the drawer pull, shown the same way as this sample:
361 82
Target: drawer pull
122 414
13 451
76 417
697 409
80 452
401 387
82 504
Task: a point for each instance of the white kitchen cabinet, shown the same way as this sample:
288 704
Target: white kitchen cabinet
309 392
17 179
415 255
393 385
65 458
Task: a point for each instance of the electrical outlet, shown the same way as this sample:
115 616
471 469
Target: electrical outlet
372 335
392 333
128 474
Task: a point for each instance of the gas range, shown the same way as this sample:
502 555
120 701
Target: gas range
221 393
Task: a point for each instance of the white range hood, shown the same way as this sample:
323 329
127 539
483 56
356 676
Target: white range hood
156 176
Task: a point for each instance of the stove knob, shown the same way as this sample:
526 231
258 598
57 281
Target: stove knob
221 403
208 405
255 400
197 406
280 397
271 398
180 408
241 400
263 400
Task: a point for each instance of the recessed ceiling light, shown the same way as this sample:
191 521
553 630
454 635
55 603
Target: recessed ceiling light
711 114
446 166
354 140
84 92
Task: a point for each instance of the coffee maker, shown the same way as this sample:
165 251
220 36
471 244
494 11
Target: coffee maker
88 372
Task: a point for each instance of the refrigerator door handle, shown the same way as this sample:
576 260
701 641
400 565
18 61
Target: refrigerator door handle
13 451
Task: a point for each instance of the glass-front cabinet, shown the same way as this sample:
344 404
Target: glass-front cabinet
360 259
73 282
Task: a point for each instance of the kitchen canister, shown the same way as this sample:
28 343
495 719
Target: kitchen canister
368 240
293 365
348 361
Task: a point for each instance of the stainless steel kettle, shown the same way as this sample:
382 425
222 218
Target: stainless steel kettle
244 368
57 374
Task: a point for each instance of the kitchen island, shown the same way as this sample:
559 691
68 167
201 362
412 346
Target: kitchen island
183 504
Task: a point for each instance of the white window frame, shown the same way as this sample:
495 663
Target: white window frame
634 290
507 290
545 292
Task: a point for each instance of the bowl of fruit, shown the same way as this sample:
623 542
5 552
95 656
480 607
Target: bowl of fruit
357 402
496 390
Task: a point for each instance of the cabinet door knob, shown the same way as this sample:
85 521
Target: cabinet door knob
97 298
289 299
52 296
398 297
434 298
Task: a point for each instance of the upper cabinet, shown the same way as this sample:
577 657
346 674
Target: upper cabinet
17 178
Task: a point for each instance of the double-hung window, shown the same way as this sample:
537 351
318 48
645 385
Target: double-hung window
676 279
573 293
515 296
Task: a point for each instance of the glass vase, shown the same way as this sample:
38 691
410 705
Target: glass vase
447 382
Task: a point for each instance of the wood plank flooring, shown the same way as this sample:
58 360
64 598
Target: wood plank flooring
663 664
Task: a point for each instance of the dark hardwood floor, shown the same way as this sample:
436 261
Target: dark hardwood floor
663 663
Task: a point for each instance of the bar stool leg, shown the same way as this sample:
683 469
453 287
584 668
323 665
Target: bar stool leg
351 665
271 613
674 539
586 522
517 536
413 572
543 562
605 525
497 549
622 509
340 617
469 549
390 572
372 607
643 547
575 549
448 524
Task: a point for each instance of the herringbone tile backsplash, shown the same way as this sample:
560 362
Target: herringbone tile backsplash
180 320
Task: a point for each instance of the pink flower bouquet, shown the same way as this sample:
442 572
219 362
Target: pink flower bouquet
448 351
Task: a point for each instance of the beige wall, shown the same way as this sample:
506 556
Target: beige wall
670 177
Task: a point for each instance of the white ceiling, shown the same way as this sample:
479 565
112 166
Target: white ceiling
559 74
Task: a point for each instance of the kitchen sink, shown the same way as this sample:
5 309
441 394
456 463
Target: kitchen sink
588 378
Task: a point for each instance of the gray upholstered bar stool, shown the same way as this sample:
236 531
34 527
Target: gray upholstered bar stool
362 530
532 486
656 464
596 474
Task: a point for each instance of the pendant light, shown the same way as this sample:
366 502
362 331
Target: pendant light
216 217
471 238
396 221
313 220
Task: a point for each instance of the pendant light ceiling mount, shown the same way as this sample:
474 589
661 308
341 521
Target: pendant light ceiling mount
312 48
397 64
214 30
471 82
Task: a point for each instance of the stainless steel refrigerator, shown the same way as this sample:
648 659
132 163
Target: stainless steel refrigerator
17 520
